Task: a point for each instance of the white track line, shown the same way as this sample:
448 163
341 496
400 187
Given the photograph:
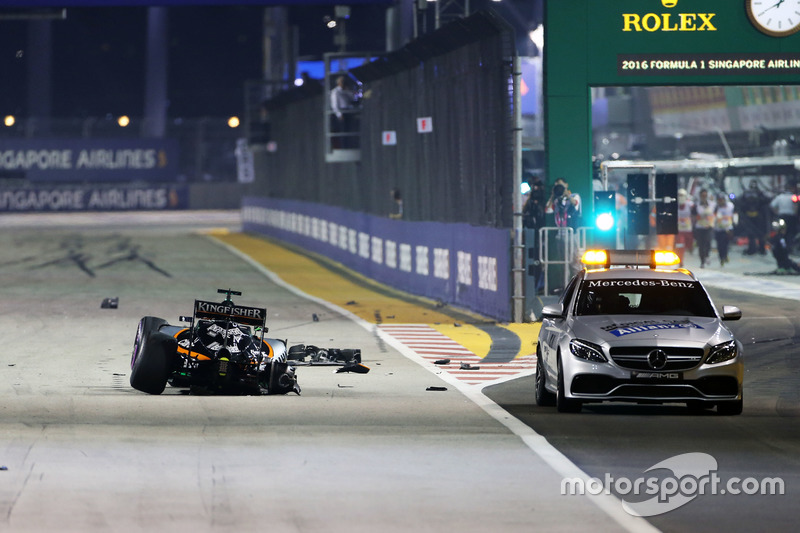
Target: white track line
609 504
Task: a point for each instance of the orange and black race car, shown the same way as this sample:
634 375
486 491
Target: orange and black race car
224 351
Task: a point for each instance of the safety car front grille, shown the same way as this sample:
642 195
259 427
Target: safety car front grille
614 388
637 357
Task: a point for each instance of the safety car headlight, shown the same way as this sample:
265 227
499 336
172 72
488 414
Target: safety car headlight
587 351
722 352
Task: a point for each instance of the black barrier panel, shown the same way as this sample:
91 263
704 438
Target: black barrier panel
638 206
667 204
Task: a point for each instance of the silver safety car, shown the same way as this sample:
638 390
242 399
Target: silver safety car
633 327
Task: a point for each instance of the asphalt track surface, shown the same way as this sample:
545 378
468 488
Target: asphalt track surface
625 441
82 451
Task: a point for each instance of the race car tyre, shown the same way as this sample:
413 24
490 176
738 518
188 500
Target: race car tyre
281 379
544 397
564 404
153 356
730 408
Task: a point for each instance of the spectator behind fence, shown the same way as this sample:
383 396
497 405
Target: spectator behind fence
565 205
533 218
397 204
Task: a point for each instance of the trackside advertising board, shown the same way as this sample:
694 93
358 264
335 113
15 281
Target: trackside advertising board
89 160
88 198
459 264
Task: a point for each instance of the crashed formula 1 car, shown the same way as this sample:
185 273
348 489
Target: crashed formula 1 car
224 351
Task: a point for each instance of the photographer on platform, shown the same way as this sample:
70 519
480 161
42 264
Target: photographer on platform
565 205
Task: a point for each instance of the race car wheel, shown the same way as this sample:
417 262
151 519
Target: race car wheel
730 408
281 379
544 397
564 404
153 356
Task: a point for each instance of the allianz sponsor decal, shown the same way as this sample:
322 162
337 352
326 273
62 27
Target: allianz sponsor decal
628 328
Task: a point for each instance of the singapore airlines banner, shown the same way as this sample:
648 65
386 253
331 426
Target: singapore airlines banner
93 198
89 160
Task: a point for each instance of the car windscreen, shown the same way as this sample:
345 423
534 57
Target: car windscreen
643 297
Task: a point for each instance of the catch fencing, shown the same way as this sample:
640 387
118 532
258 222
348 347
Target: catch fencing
457 169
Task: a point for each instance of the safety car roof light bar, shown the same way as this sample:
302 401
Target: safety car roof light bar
649 258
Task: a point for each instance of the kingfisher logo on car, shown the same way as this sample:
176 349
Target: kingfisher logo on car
239 313
620 330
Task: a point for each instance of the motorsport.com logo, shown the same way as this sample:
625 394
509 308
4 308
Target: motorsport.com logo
682 478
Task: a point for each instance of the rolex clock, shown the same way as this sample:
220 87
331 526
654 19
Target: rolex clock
777 18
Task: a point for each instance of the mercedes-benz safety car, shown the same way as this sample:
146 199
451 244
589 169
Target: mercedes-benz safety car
223 350
633 327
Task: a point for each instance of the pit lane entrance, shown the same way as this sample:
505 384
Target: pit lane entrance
625 43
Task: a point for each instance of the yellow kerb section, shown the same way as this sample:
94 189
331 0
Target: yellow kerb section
528 334
371 301
473 339
309 276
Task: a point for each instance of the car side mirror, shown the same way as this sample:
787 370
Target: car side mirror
731 312
553 311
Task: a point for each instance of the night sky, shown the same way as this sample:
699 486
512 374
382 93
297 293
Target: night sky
99 56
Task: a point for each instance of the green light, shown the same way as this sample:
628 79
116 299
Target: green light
604 210
604 221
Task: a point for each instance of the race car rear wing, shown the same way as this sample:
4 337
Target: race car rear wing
228 312
251 316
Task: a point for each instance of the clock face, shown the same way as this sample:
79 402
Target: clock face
775 17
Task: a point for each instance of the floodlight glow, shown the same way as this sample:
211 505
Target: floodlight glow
537 36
